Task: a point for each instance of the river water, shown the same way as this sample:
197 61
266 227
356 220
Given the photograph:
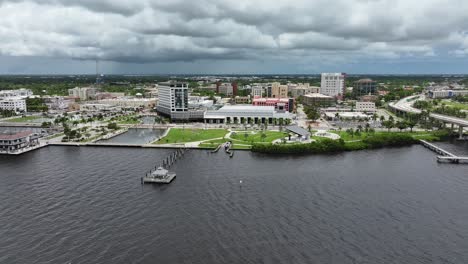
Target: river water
86 205
136 136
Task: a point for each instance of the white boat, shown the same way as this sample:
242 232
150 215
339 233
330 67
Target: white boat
160 175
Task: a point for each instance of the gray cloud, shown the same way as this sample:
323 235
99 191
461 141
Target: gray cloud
144 31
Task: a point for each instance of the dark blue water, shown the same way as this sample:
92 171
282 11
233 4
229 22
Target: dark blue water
136 136
86 205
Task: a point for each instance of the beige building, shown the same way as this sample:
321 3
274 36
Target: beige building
278 90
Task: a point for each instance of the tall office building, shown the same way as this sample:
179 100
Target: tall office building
173 100
333 84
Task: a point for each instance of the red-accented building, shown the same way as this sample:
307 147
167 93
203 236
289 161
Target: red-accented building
280 104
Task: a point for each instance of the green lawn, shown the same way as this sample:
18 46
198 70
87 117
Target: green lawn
214 143
179 135
257 137
457 104
416 134
23 119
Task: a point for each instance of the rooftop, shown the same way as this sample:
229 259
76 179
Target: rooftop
317 95
18 135
364 81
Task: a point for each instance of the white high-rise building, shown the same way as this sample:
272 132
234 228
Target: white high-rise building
173 100
257 91
333 84
14 104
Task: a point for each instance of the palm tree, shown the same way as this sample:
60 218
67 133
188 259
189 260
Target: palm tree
337 116
359 128
263 136
367 127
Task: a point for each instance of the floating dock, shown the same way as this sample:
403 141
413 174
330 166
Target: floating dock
161 174
445 156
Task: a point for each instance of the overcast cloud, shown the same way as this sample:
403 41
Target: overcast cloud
236 35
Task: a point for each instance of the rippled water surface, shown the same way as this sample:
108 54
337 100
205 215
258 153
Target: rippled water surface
86 205
136 136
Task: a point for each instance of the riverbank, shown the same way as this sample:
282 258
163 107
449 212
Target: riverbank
323 146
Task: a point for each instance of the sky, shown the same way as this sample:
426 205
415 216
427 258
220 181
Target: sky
233 36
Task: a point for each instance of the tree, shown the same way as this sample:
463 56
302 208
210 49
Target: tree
263 136
350 131
359 128
112 126
367 127
312 113
411 124
388 124
401 125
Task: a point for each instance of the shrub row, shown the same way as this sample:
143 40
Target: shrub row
331 146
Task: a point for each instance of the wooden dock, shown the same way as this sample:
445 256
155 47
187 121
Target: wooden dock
445 156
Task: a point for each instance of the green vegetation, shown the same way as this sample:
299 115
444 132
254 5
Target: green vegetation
179 135
455 104
7 113
377 140
312 113
36 105
24 119
248 138
112 126
442 107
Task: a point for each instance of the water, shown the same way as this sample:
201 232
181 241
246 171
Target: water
136 136
86 205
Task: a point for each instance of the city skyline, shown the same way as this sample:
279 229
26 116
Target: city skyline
233 37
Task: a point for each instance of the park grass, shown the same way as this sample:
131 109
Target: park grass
23 119
257 137
212 144
179 135
456 104
425 135
55 136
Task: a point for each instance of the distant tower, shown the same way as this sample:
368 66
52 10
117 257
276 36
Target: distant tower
99 79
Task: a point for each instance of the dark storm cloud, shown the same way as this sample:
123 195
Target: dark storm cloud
179 30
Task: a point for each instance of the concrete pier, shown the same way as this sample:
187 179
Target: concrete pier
445 155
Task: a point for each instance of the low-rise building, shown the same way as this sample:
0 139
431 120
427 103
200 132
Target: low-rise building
130 102
92 107
447 93
228 89
84 93
318 100
16 104
246 114
280 104
19 93
242 99
366 107
57 102
10 142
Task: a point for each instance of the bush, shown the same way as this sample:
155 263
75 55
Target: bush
332 146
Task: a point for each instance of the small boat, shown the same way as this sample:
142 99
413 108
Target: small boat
160 175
